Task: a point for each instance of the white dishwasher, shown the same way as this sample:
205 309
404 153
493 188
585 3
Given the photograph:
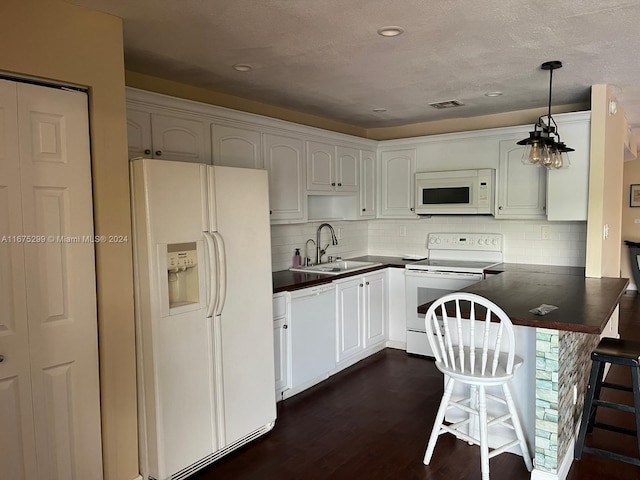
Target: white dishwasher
312 335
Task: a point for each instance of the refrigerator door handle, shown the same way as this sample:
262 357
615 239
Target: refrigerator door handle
222 272
211 274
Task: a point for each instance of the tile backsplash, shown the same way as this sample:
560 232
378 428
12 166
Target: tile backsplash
523 243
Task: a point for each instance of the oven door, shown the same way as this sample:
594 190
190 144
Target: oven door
424 287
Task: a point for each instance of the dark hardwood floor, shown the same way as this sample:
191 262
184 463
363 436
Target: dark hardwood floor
373 420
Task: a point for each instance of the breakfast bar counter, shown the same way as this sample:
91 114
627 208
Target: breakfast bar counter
584 304
556 349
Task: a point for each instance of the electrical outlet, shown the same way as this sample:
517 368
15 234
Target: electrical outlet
403 231
545 232
637 220
339 233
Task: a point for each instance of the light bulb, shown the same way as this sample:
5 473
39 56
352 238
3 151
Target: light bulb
546 160
557 160
535 154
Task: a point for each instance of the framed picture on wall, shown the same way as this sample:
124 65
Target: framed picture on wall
634 195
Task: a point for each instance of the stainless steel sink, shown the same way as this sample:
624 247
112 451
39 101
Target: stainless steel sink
336 268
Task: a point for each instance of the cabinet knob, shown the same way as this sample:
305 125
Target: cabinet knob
1 358
500 207
147 151
364 209
333 184
367 283
270 212
158 152
339 184
361 285
412 209
285 326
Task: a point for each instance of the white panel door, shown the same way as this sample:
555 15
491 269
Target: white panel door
283 157
375 328
236 147
367 184
321 175
349 318
521 190
60 278
398 183
180 137
17 440
348 169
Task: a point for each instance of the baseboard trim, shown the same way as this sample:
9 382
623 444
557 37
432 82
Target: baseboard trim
565 466
397 344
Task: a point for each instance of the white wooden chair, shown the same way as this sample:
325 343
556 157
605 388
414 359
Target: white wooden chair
467 352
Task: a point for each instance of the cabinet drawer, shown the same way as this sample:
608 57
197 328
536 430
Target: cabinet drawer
279 306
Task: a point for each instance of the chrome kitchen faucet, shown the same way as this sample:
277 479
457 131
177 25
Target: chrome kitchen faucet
321 251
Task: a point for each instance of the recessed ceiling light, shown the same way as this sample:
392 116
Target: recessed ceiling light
379 110
493 94
242 67
392 31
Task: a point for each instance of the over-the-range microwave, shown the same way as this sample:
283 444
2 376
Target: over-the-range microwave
455 192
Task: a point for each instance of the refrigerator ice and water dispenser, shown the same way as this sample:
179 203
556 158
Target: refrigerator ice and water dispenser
182 274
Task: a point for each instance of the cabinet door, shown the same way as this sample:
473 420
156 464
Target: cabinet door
375 318
236 147
521 188
347 169
367 184
139 133
280 352
397 178
349 318
320 167
568 189
283 157
180 137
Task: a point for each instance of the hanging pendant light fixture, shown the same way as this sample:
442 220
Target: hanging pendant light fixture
543 147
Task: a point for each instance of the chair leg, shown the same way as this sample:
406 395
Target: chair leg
635 382
484 437
435 432
515 420
596 396
586 410
473 419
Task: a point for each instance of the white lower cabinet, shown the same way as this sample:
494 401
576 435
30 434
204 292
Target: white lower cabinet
281 343
361 316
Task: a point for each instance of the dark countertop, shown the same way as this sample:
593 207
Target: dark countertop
520 267
584 304
287 281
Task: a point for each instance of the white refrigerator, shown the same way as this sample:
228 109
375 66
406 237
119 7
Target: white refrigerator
204 336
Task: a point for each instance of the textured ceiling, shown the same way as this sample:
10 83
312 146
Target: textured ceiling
324 57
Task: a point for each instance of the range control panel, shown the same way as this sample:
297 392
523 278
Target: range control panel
487 242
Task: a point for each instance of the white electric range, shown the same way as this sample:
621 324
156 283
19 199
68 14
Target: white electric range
456 260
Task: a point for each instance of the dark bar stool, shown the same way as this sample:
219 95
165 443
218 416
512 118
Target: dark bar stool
615 352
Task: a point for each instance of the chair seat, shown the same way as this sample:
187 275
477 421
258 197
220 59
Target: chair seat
476 377
617 351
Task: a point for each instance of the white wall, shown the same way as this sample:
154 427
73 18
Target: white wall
522 239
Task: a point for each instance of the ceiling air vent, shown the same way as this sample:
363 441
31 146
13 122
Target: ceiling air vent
446 104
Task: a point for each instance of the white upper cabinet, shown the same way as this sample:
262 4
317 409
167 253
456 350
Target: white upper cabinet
321 167
568 189
139 133
284 159
331 168
367 184
397 178
521 188
179 136
236 146
347 169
